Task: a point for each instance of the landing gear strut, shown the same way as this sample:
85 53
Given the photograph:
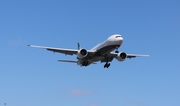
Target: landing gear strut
107 65
116 50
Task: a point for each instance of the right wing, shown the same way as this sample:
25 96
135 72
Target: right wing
59 50
63 50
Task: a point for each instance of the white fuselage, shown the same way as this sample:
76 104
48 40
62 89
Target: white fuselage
110 44
114 40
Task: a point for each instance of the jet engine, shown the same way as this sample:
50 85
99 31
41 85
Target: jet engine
121 56
82 53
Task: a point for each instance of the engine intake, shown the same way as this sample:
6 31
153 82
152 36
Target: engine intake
121 56
82 53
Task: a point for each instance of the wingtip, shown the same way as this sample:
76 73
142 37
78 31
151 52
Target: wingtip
147 55
30 45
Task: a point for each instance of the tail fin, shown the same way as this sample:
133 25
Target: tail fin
79 47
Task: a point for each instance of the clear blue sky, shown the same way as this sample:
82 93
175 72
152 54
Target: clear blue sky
33 77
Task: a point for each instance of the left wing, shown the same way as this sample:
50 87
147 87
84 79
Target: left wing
112 54
59 50
135 55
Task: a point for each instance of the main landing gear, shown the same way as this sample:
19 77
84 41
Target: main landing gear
107 65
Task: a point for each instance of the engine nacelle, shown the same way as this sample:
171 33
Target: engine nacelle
82 53
121 56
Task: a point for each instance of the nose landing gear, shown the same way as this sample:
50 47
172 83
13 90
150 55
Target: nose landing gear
116 50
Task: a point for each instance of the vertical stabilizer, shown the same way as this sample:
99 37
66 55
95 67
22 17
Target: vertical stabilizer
79 47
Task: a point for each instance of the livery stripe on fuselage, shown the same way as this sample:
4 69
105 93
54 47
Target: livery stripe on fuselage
106 49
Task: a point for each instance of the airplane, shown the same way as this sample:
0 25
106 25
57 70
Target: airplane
102 52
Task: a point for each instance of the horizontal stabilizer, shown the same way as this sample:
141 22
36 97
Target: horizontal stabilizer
70 61
73 61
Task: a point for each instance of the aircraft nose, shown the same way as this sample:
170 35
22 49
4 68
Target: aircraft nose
120 40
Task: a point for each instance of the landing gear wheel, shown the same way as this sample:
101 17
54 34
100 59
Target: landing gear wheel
85 63
107 65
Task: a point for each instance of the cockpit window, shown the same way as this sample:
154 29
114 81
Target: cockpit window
118 36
